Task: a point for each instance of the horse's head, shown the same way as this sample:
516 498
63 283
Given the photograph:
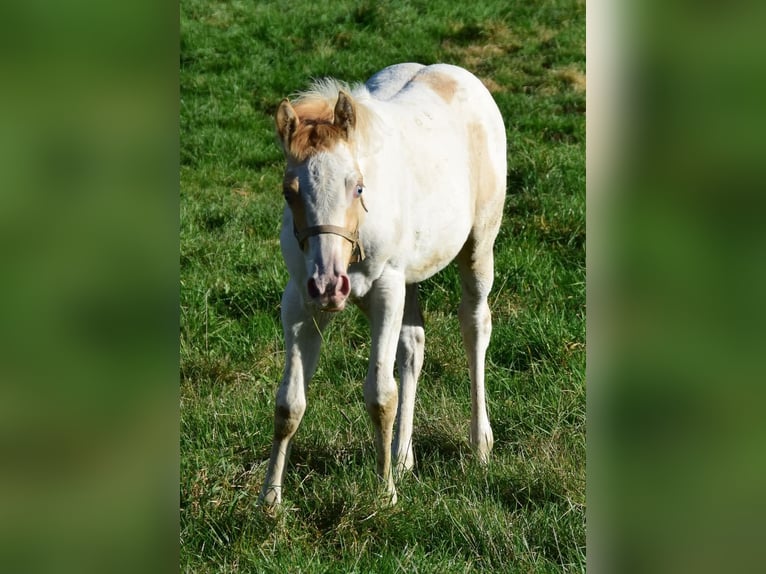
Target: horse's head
323 189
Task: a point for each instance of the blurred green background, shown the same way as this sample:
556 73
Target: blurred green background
89 288
676 283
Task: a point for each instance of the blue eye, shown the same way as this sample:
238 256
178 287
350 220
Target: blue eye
359 190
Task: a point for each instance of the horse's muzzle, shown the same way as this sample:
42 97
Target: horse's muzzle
329 292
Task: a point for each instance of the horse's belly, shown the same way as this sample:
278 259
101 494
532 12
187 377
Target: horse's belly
420 273
432 253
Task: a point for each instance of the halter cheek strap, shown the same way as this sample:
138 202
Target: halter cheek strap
357 251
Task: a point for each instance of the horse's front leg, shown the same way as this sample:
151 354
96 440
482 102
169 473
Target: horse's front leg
384 306
409 361
302 329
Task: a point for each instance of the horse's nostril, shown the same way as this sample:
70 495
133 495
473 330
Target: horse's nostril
344 285
319 288
313 290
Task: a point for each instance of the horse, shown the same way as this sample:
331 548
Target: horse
385 184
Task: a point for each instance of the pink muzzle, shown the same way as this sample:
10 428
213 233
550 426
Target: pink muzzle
330 290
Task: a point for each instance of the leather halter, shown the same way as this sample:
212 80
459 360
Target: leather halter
357 251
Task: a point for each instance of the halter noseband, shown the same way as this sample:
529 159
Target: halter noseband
357 251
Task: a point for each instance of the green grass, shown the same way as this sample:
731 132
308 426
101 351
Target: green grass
526 511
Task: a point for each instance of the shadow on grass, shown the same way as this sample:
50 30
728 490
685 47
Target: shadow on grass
327 460
526 491
431 443
437 444
436 451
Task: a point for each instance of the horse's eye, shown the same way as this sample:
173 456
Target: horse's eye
290 190
359 190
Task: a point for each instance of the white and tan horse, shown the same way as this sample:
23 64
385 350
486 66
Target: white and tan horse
385 185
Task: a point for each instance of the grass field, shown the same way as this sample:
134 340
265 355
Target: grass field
525 512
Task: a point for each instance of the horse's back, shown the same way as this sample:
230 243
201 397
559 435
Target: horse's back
486 141
389 81
453 156
464 94
443 95
465 104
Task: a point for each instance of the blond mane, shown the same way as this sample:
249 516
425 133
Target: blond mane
315 110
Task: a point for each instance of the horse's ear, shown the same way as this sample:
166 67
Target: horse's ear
287 121
345 114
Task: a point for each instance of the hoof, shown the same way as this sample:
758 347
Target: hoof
404 464
388 499
270 497
482 443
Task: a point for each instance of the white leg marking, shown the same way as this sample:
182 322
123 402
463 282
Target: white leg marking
302 343
409 362
385 303
476 327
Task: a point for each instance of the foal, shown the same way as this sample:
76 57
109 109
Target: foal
384 186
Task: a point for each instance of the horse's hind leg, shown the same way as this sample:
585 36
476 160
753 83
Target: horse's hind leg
409 361
476 267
